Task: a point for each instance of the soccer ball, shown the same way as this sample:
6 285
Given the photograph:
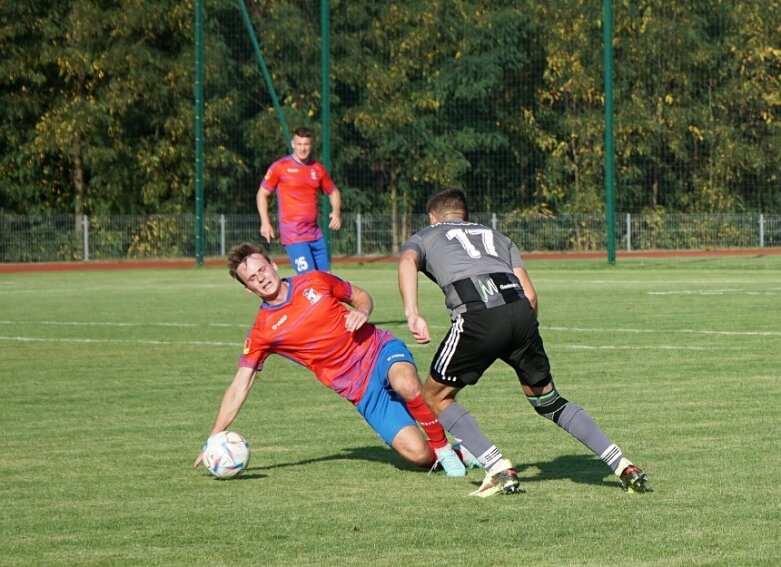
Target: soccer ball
226 454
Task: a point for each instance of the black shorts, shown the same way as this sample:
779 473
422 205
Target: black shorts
478 338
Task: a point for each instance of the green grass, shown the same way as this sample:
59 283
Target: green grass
111 380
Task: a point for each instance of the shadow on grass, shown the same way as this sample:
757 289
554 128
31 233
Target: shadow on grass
370 453
249 475
583 469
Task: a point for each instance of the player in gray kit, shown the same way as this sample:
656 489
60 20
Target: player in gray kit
493 308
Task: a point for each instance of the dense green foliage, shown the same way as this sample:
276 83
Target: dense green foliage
503 97
96 103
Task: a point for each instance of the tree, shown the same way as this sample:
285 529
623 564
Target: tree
569 114
110 126
434 90
502 97
697 97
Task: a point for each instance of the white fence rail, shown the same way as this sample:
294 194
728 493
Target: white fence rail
82 238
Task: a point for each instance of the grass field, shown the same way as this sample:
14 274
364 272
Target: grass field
111 380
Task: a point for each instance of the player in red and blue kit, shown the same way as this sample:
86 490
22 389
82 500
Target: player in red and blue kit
296 179
305 319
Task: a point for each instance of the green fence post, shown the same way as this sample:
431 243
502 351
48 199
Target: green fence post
610 201
199 132
325 65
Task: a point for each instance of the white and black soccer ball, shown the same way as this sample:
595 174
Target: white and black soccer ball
226 454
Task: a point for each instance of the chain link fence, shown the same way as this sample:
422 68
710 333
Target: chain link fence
82 238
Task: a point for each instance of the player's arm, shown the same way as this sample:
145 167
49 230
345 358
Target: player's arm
528 287
362 305
266 228
335 198
232 400
408 288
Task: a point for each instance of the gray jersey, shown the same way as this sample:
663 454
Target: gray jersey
471 263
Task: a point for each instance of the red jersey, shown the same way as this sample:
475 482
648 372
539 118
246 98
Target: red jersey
296 184
308 328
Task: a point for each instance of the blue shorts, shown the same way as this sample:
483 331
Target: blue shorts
308 256
381 406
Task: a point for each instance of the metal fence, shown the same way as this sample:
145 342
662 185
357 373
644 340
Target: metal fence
81 238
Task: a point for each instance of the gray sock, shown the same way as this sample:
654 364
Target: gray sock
462 425
578 423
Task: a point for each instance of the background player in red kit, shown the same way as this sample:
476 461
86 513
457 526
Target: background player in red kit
296 179
304 319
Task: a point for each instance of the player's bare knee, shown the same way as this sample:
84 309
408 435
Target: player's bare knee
403 378
421 457
410 444
409 388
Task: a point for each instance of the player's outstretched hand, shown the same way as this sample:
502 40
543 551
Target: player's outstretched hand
419 329
336 222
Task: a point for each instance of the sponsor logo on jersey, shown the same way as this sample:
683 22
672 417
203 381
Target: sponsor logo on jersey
485 287
391 357
509 286
312 295
247 345
276 325
292 170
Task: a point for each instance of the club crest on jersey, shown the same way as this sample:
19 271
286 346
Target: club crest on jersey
312 295
313 175
247 345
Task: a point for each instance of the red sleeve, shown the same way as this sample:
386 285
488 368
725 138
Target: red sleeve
255 350
326 183
340 289
271 179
